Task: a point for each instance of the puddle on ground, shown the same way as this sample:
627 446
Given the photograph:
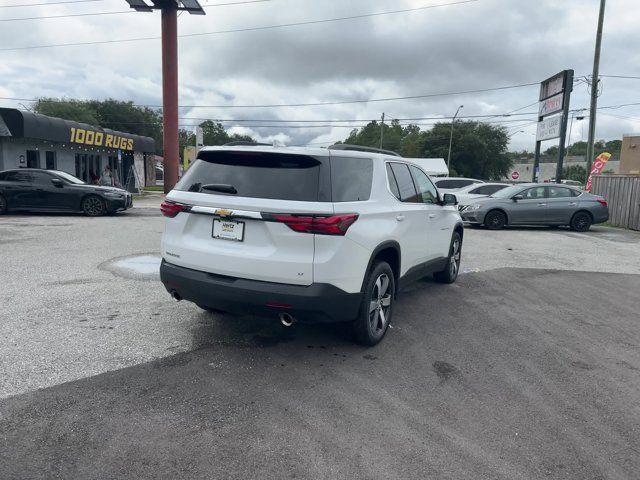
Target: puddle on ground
137 267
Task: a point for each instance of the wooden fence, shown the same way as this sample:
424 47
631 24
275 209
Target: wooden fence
622 192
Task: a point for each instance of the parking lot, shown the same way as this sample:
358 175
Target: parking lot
527 367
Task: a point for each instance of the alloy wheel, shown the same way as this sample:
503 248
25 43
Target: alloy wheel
93 206
380 305
454 261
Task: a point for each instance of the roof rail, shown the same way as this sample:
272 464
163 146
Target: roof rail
358 148
244 143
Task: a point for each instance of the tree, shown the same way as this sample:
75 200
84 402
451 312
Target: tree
75 110
110 113
407 141
577 149
186 138
215 134
479 149
127 117
613 147
575 172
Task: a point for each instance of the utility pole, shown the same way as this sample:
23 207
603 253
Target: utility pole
594 88
451 136
381 130
170 143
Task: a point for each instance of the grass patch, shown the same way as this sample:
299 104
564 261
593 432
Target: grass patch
154 188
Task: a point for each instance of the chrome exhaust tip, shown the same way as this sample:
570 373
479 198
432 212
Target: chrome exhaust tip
286 319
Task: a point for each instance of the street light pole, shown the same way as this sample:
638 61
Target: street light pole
170 142
594 88
170 146
451 136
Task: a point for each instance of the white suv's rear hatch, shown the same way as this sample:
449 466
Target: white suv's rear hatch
235 214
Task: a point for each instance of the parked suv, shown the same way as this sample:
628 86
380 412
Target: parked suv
315 235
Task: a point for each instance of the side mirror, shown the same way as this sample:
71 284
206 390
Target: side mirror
515 198
449 199
57 182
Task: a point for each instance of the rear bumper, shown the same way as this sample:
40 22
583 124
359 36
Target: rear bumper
601 216
316 303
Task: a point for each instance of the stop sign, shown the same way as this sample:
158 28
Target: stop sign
515 175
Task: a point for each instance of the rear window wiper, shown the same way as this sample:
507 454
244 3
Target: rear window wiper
219 187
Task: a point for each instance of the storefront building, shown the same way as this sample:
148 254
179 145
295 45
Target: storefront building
31 140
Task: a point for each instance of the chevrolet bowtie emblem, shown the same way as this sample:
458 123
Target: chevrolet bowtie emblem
224 213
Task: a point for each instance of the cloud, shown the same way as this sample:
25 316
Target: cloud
485 44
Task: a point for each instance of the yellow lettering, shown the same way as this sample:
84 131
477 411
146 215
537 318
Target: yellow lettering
80 134
91 136
99 138
73 134
109 141
116 142
130 144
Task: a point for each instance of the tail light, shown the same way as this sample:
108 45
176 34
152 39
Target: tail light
170 209
602 202
330 225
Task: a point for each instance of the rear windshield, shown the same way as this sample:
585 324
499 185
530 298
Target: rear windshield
254 174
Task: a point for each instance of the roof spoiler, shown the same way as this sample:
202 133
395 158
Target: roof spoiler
359 148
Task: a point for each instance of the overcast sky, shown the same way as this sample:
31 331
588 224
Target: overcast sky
469 46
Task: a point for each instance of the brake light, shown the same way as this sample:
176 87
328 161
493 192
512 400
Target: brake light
331 225
602 202
170 209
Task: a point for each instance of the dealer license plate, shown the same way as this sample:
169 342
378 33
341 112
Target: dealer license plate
228 230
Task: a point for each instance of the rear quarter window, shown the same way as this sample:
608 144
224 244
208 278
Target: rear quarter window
351 179
259 175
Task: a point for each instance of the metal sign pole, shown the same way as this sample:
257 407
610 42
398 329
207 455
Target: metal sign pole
568 87
536 161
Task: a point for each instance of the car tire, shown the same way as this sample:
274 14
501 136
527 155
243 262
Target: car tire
93 206
495 220
581 222
451 271
3 205
376 309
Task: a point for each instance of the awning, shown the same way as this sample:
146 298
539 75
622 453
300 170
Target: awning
21 124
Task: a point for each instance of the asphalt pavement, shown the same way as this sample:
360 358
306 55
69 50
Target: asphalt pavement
509 373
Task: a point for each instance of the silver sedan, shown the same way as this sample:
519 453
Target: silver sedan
537 204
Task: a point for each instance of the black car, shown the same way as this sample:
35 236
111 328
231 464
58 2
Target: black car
36 190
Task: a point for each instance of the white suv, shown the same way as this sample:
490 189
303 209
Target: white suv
315 235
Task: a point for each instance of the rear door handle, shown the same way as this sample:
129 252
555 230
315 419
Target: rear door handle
400 218
542 204
432 215
572 204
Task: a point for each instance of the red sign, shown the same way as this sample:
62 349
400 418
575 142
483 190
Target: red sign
598 165
515 175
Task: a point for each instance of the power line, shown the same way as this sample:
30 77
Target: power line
249 29
369 100
69 15
631 77
317 104
49 3
119 12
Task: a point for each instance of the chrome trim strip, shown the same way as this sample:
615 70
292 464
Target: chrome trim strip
234 213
